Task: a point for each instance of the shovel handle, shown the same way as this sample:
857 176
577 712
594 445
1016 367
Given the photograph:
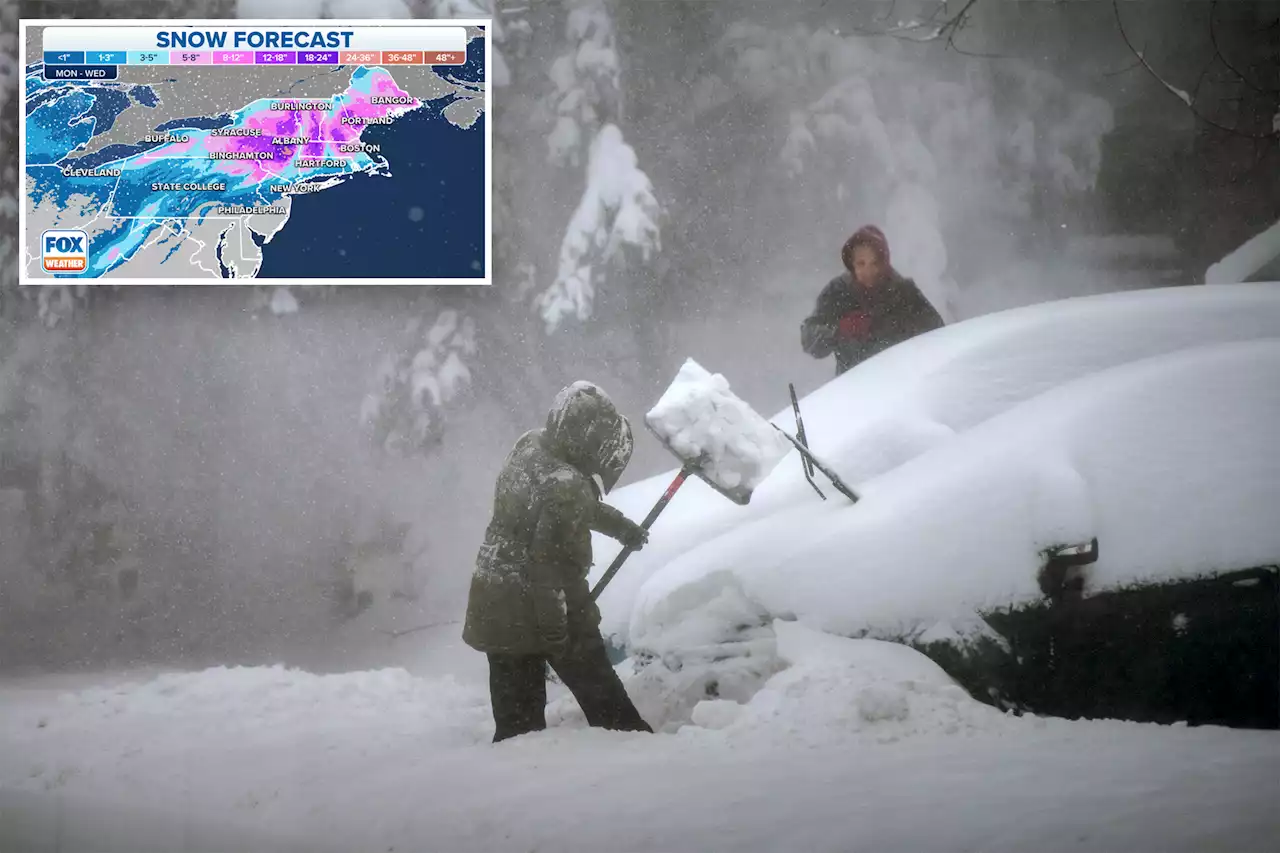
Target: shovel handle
648 520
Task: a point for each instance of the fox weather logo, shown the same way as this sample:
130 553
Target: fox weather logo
64 250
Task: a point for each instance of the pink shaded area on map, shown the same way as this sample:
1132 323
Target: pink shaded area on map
326 127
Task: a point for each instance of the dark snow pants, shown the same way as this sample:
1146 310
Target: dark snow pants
518 689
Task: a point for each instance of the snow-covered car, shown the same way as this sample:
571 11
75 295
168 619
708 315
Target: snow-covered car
1146 421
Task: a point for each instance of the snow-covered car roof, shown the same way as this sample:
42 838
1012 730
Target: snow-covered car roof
1146 419
1255 258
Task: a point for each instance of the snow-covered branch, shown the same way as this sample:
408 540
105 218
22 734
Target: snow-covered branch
935 26
618 211
414 385
1228 64
586 82
1184 96
900 138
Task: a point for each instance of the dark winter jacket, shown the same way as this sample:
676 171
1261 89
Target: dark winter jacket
529 589
855 322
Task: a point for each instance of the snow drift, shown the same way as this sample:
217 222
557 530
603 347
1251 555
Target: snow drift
833 686
842 750
1132 417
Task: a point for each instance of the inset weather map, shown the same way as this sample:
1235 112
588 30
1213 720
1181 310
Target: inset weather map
217 152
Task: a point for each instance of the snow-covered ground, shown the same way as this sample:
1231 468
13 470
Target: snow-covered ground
855 745
1145 419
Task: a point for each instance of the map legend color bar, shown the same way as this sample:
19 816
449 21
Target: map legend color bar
402 57
232 57
279 57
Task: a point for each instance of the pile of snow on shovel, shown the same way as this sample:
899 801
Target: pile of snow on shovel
699 417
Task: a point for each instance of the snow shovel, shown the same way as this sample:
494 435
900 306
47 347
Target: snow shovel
683 475
716 436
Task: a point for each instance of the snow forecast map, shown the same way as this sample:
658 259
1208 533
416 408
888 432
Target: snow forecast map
213 161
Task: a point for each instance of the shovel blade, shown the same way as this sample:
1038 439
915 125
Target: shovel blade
700 414
740 494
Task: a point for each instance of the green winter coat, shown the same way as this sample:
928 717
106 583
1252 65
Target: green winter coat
529 590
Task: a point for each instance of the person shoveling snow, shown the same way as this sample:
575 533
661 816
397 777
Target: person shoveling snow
529 603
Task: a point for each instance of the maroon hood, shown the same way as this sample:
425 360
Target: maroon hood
867 235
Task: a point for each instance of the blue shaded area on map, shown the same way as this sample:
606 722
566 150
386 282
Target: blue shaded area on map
146 208
437 168
109 154
52 135
37 82
48 183
144 95
43 97
195 122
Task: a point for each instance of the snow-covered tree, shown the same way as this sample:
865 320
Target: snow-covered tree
616 222
905 143
425 372
617 217
586 82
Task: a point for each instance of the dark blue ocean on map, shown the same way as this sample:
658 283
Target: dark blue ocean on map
426 220
107 106
473 71
195 123
145 95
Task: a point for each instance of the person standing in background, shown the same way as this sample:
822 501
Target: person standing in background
867 308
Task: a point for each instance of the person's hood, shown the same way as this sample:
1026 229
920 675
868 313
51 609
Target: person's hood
585 429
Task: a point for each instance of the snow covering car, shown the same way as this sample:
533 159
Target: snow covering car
1146 420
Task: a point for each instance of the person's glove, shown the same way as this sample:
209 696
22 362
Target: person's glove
855 324
818 339
634 536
